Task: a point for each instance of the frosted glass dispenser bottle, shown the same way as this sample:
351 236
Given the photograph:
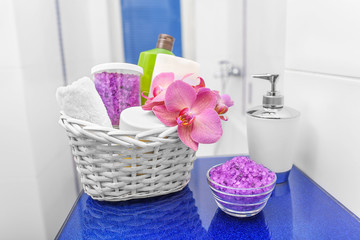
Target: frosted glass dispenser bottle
271 130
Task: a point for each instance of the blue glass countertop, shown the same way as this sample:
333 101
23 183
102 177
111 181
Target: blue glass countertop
298 209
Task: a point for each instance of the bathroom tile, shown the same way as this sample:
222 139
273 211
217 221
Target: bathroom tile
188 28
48 139
99 27
16 152
77 52
20 207
36 27
329 137
31 122
37 172
206 150
212 28
78 37
265 52
265 45
218 36
323 36
57 192
88 40
236 32
8 40
235 85
234 139
115 30
42 71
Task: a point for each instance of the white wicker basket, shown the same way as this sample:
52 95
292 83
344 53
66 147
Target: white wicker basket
117 165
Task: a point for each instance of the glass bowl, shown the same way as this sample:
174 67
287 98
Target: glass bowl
240 202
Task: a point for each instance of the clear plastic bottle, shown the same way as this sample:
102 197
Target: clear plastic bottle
118 85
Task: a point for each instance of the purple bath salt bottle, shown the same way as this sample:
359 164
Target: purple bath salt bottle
118 85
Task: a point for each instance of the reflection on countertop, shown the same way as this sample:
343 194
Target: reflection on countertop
173 216
238 228
297 209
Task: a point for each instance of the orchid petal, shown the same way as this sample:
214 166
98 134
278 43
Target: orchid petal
205 99
227 100
184 135
166 117
224 118
160 97
207 127
186 76
163 80
217 94
221 108
179 95
149 104
190 79
157 90
144 96
200 85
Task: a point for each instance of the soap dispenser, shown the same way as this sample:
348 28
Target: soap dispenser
271 131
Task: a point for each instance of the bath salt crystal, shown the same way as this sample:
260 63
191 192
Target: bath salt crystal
118 91
241 172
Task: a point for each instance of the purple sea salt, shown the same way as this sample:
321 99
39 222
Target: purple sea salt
242 172
241 184
118 91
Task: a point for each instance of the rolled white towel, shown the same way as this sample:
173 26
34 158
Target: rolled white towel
80 100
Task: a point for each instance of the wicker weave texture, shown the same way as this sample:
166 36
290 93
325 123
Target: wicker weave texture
117 165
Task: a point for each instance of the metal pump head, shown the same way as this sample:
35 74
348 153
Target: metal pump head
272 99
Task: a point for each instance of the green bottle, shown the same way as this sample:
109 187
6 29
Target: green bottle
147 60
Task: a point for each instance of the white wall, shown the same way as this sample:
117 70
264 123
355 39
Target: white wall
265 46
37 174
322 81
314 46
217 35
37 178
17 174
91 33
250 35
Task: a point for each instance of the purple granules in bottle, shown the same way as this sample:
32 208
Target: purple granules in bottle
118 91
242 176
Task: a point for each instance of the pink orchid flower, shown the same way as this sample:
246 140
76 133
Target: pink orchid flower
192 111
190 80
222 105
200 85
159 86
161 83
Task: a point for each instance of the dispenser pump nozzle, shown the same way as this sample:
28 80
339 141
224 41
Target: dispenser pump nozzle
273 99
